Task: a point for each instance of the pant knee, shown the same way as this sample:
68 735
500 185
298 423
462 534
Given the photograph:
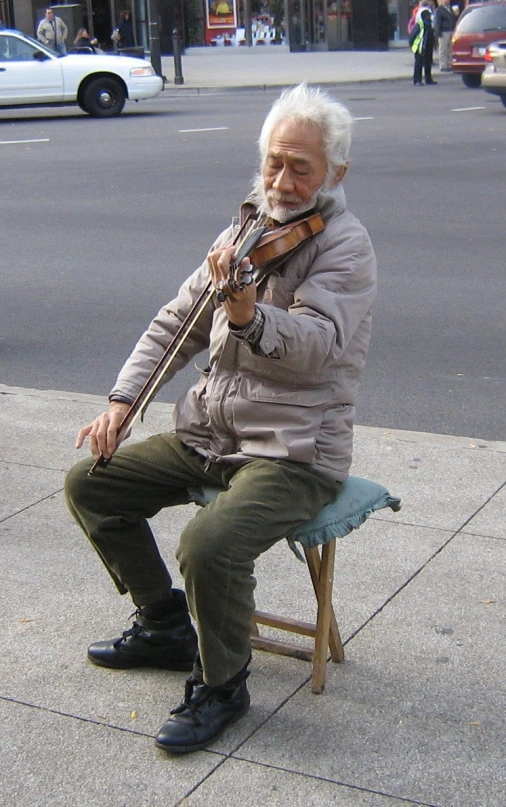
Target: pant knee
210 547
194 552
76 483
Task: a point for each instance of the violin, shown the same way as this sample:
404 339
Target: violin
284 240
263 246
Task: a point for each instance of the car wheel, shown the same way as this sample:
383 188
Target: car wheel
503 99
103 97
471 80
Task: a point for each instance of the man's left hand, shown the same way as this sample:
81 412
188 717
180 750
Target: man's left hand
239 304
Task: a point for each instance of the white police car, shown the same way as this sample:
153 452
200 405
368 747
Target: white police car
33 75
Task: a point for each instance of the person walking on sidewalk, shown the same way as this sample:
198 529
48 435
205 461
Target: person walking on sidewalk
125 30
422 45
270 422
53 32
444 25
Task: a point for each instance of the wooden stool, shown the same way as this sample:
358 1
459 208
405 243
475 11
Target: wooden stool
357 499
325 631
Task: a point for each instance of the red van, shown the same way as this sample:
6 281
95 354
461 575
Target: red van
478 26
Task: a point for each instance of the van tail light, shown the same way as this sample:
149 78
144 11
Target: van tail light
488 56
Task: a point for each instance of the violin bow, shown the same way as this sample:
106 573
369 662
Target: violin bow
150 387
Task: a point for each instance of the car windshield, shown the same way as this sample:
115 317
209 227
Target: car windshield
39 45
478 20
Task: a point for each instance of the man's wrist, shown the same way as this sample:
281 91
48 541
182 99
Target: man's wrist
251 332
234 327
120 401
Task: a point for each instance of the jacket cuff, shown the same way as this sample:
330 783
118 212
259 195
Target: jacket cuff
120 399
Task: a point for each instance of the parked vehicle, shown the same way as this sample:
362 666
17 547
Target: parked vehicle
493 78
33 75
478 26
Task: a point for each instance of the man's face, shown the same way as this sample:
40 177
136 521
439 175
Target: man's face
294 170
49 15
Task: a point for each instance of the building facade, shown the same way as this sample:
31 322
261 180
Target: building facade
309 25
99 17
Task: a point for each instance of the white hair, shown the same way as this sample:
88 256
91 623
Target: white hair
310 105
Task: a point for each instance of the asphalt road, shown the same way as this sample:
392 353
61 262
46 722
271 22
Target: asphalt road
102 220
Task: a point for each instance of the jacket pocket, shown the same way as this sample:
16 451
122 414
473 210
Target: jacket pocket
274 420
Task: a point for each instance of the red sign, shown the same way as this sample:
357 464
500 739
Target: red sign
221 14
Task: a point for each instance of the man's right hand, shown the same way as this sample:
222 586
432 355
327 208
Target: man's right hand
103 431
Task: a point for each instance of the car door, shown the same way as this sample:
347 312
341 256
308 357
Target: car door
25 78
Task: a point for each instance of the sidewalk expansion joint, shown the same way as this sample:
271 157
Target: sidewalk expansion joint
61 713
358 788
32 504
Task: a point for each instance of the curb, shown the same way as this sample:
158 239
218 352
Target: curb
376 432
173 90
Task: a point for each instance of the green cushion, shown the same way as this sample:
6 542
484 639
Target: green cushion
357 499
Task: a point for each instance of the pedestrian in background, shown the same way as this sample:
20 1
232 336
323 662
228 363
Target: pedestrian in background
421 42
416 14
125 29
444 25
83 40
53 32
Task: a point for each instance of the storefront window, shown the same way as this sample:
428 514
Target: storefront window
393 20
339 24
320 24
318 20
6 16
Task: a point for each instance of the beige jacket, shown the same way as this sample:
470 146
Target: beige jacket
46 32
300 405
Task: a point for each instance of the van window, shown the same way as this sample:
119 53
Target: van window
478 20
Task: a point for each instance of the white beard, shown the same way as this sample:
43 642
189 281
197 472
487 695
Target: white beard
271 202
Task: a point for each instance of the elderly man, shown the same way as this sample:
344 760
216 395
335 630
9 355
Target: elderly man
53 32
270 422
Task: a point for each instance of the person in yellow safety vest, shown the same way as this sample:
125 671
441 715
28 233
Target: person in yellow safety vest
422 44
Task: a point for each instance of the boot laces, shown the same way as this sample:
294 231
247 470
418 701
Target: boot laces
193 707
134 631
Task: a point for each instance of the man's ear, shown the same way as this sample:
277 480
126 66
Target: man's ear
339 175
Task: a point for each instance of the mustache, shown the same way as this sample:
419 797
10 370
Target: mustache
283 198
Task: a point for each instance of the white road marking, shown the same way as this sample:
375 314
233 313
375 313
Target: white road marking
210 129
468 109
15 142
363 118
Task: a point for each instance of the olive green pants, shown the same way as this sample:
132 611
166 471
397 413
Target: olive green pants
262 500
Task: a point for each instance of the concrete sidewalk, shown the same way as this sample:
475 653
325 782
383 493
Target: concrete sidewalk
414 716
205 69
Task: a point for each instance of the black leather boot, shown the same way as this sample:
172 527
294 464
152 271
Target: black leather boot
204 714
170 643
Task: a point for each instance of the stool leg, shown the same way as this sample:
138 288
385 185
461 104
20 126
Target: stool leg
335 643
324 595
322 575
